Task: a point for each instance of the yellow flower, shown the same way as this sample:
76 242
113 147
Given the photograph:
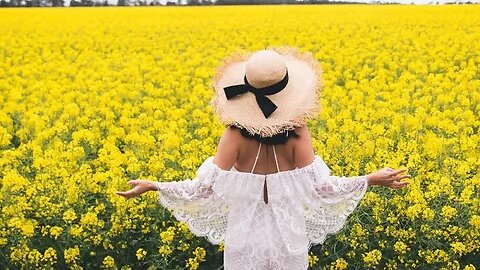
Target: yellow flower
199 253
72 255
55 231
50 256
435 256
358 231
96 239
340 264
165 250
167 236
76 231
312 259
107 244
91 221
414 211
108 262
221 246
475 221
192 263
3 241
183 246
69 216
458 248
34 256
428 213
400 247
372 258
141 253
448 212
18 254
28 229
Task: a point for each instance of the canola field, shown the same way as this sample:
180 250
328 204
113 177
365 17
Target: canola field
93 97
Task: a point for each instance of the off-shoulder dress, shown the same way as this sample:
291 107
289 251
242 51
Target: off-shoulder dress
265 221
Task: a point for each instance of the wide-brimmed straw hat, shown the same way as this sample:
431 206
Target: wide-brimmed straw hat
269 91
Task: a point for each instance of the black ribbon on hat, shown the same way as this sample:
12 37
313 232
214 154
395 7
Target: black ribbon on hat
266 105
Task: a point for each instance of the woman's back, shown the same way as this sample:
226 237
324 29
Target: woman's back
296 152
265 164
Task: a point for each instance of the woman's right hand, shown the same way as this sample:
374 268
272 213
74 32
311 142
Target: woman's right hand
389 177
141 186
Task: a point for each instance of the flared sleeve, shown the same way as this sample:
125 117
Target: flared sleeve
196 202
329 200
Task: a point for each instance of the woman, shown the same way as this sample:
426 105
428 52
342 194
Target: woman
268 209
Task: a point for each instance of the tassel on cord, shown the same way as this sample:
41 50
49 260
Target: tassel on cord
265 192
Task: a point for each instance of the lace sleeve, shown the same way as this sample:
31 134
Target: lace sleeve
195 202
330 201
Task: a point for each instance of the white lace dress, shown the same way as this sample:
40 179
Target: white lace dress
304 205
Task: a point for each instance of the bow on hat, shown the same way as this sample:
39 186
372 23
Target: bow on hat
266 105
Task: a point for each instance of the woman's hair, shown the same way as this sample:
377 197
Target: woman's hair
279 138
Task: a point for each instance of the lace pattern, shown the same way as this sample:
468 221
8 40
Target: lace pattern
305 206
195 202
333 199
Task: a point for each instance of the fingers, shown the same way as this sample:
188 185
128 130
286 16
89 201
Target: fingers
135 191
133 182
127 194
403 176
398 185
395 179
395 172
122 193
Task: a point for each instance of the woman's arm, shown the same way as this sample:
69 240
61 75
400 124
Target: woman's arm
225 158
304 155
303 150
228 149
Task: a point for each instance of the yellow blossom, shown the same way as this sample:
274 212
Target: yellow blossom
167 236
192 264
200 253
55 231
69 216
141 253
400 247
340 264
312 259
50 256
458 248
72 255
108 262
183 246
448 212
372 258
165 250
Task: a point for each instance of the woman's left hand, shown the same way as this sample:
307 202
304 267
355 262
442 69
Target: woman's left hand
141 186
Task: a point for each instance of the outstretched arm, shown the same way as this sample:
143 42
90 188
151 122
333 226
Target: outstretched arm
304 155
225 158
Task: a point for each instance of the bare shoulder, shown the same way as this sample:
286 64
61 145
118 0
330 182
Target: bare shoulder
303 149
302 131
232 133
228 147
231 137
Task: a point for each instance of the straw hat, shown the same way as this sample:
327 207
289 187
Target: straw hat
268 91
